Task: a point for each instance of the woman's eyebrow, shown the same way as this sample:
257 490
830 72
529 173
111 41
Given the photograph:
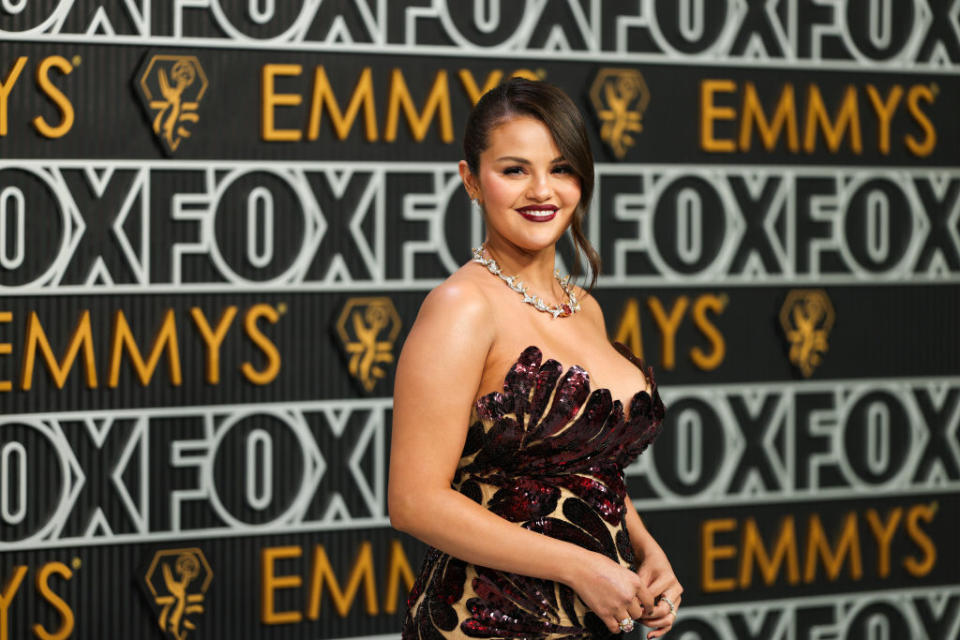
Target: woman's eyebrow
525 161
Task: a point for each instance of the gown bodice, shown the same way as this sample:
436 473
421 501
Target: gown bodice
548 454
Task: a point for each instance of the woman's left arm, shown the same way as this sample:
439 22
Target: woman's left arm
655 571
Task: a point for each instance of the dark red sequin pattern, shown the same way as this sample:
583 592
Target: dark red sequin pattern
547 454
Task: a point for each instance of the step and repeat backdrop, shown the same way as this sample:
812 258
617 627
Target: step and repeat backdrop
218 219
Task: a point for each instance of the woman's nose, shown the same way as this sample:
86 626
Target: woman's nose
539 188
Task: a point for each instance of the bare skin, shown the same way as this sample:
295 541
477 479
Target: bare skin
468 333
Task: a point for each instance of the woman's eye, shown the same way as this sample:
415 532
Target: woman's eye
563 168
512 170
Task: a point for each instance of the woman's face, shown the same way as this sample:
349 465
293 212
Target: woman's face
528 190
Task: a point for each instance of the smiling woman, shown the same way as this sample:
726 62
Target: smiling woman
509 467
510 135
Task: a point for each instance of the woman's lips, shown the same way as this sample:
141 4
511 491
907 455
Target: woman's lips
538 214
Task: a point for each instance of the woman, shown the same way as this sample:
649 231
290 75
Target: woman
509 467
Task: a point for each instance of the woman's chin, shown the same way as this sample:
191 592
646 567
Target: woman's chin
536 244
532 236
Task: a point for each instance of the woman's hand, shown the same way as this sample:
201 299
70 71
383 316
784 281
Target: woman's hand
657 577
611 591
655 574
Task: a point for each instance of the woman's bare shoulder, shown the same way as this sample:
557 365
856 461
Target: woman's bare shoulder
461 294
455 316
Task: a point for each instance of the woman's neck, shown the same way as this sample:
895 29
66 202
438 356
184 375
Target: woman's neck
534 268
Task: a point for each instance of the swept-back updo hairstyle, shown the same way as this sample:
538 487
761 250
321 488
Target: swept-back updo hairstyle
555 109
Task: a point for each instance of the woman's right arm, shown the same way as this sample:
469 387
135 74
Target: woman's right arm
438 375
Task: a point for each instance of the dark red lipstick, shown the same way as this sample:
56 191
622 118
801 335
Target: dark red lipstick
539 212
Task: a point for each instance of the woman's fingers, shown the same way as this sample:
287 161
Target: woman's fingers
671 601
612 624
656 633
661 609
630 615
676 603
618 595
660 624
646 598
655 622
662 618
662 584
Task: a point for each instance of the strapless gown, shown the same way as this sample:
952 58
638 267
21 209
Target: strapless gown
548 455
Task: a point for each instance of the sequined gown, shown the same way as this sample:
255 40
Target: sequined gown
548 455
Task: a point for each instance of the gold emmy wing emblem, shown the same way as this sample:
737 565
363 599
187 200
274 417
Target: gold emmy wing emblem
619 97
178 579
368 329
172 87
806 318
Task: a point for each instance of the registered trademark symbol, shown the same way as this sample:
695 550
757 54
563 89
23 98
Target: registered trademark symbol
541 73
934 88
76 61
75 563
724 299
282 308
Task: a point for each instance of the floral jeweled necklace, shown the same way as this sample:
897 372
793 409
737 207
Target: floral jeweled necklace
561 310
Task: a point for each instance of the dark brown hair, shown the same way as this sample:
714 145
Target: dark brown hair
555 109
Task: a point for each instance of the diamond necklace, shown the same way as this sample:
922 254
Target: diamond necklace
557 311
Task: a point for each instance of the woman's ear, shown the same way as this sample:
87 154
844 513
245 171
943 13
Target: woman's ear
469 180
